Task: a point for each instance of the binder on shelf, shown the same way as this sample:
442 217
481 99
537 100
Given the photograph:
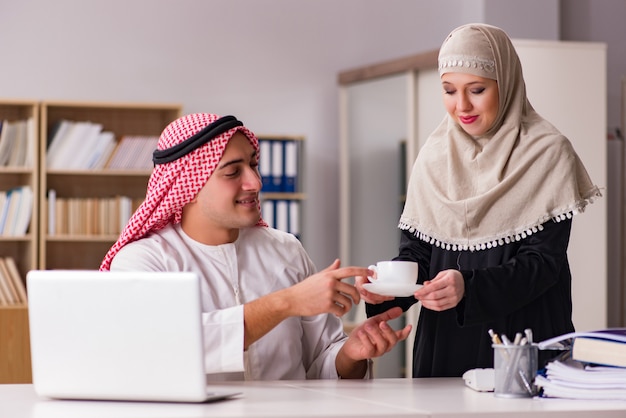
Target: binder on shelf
267 213
282 215
265 164
294 218
277 166
290 156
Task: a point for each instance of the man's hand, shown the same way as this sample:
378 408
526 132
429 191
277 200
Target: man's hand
373 338
325 292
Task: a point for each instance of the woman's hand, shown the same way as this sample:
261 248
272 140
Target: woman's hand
443 292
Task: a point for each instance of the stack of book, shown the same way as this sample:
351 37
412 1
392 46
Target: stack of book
88 216
594 366
78 145
12 289
85 145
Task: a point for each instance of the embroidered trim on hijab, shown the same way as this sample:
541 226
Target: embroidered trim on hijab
476 193
193 146
497 241
487 65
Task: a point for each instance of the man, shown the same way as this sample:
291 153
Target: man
267 313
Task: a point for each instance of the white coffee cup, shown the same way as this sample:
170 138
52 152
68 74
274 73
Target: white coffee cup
394 272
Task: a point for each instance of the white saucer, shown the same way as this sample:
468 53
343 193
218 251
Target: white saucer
392 289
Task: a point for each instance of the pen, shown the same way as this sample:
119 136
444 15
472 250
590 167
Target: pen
494 337
529 335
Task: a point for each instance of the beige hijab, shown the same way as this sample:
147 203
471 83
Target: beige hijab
469 193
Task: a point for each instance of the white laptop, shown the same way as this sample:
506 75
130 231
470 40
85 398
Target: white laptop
132 336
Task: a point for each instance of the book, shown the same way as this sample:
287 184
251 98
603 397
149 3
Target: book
24 212
8 138
134 152
14 273
601 350
56 138
10 209
5 275
7 289
18 152
52 206
102 150
565 341
4 298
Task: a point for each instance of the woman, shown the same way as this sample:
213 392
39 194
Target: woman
488 213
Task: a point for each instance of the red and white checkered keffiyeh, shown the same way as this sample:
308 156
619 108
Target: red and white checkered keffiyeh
172 185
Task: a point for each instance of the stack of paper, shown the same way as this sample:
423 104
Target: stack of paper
576 380
596 368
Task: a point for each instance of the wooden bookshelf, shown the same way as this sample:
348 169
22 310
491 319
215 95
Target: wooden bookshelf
86 250
15 366
23 249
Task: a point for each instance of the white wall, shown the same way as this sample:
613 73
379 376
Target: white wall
273 63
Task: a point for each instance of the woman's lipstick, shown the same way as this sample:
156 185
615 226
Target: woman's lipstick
468 119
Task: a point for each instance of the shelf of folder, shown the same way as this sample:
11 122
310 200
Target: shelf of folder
281 168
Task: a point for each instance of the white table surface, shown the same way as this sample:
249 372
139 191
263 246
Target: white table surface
437 397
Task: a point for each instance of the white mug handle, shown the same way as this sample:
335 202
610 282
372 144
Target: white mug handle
370 278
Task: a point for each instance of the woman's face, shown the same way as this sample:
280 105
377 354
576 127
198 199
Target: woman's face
472 101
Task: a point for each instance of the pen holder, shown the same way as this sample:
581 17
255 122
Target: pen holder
515 367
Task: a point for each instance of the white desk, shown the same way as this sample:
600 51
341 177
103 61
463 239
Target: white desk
446 397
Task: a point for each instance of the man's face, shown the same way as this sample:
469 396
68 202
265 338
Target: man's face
230 198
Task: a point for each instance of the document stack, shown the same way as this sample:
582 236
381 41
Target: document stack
594 366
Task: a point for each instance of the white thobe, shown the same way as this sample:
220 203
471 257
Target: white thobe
262 260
